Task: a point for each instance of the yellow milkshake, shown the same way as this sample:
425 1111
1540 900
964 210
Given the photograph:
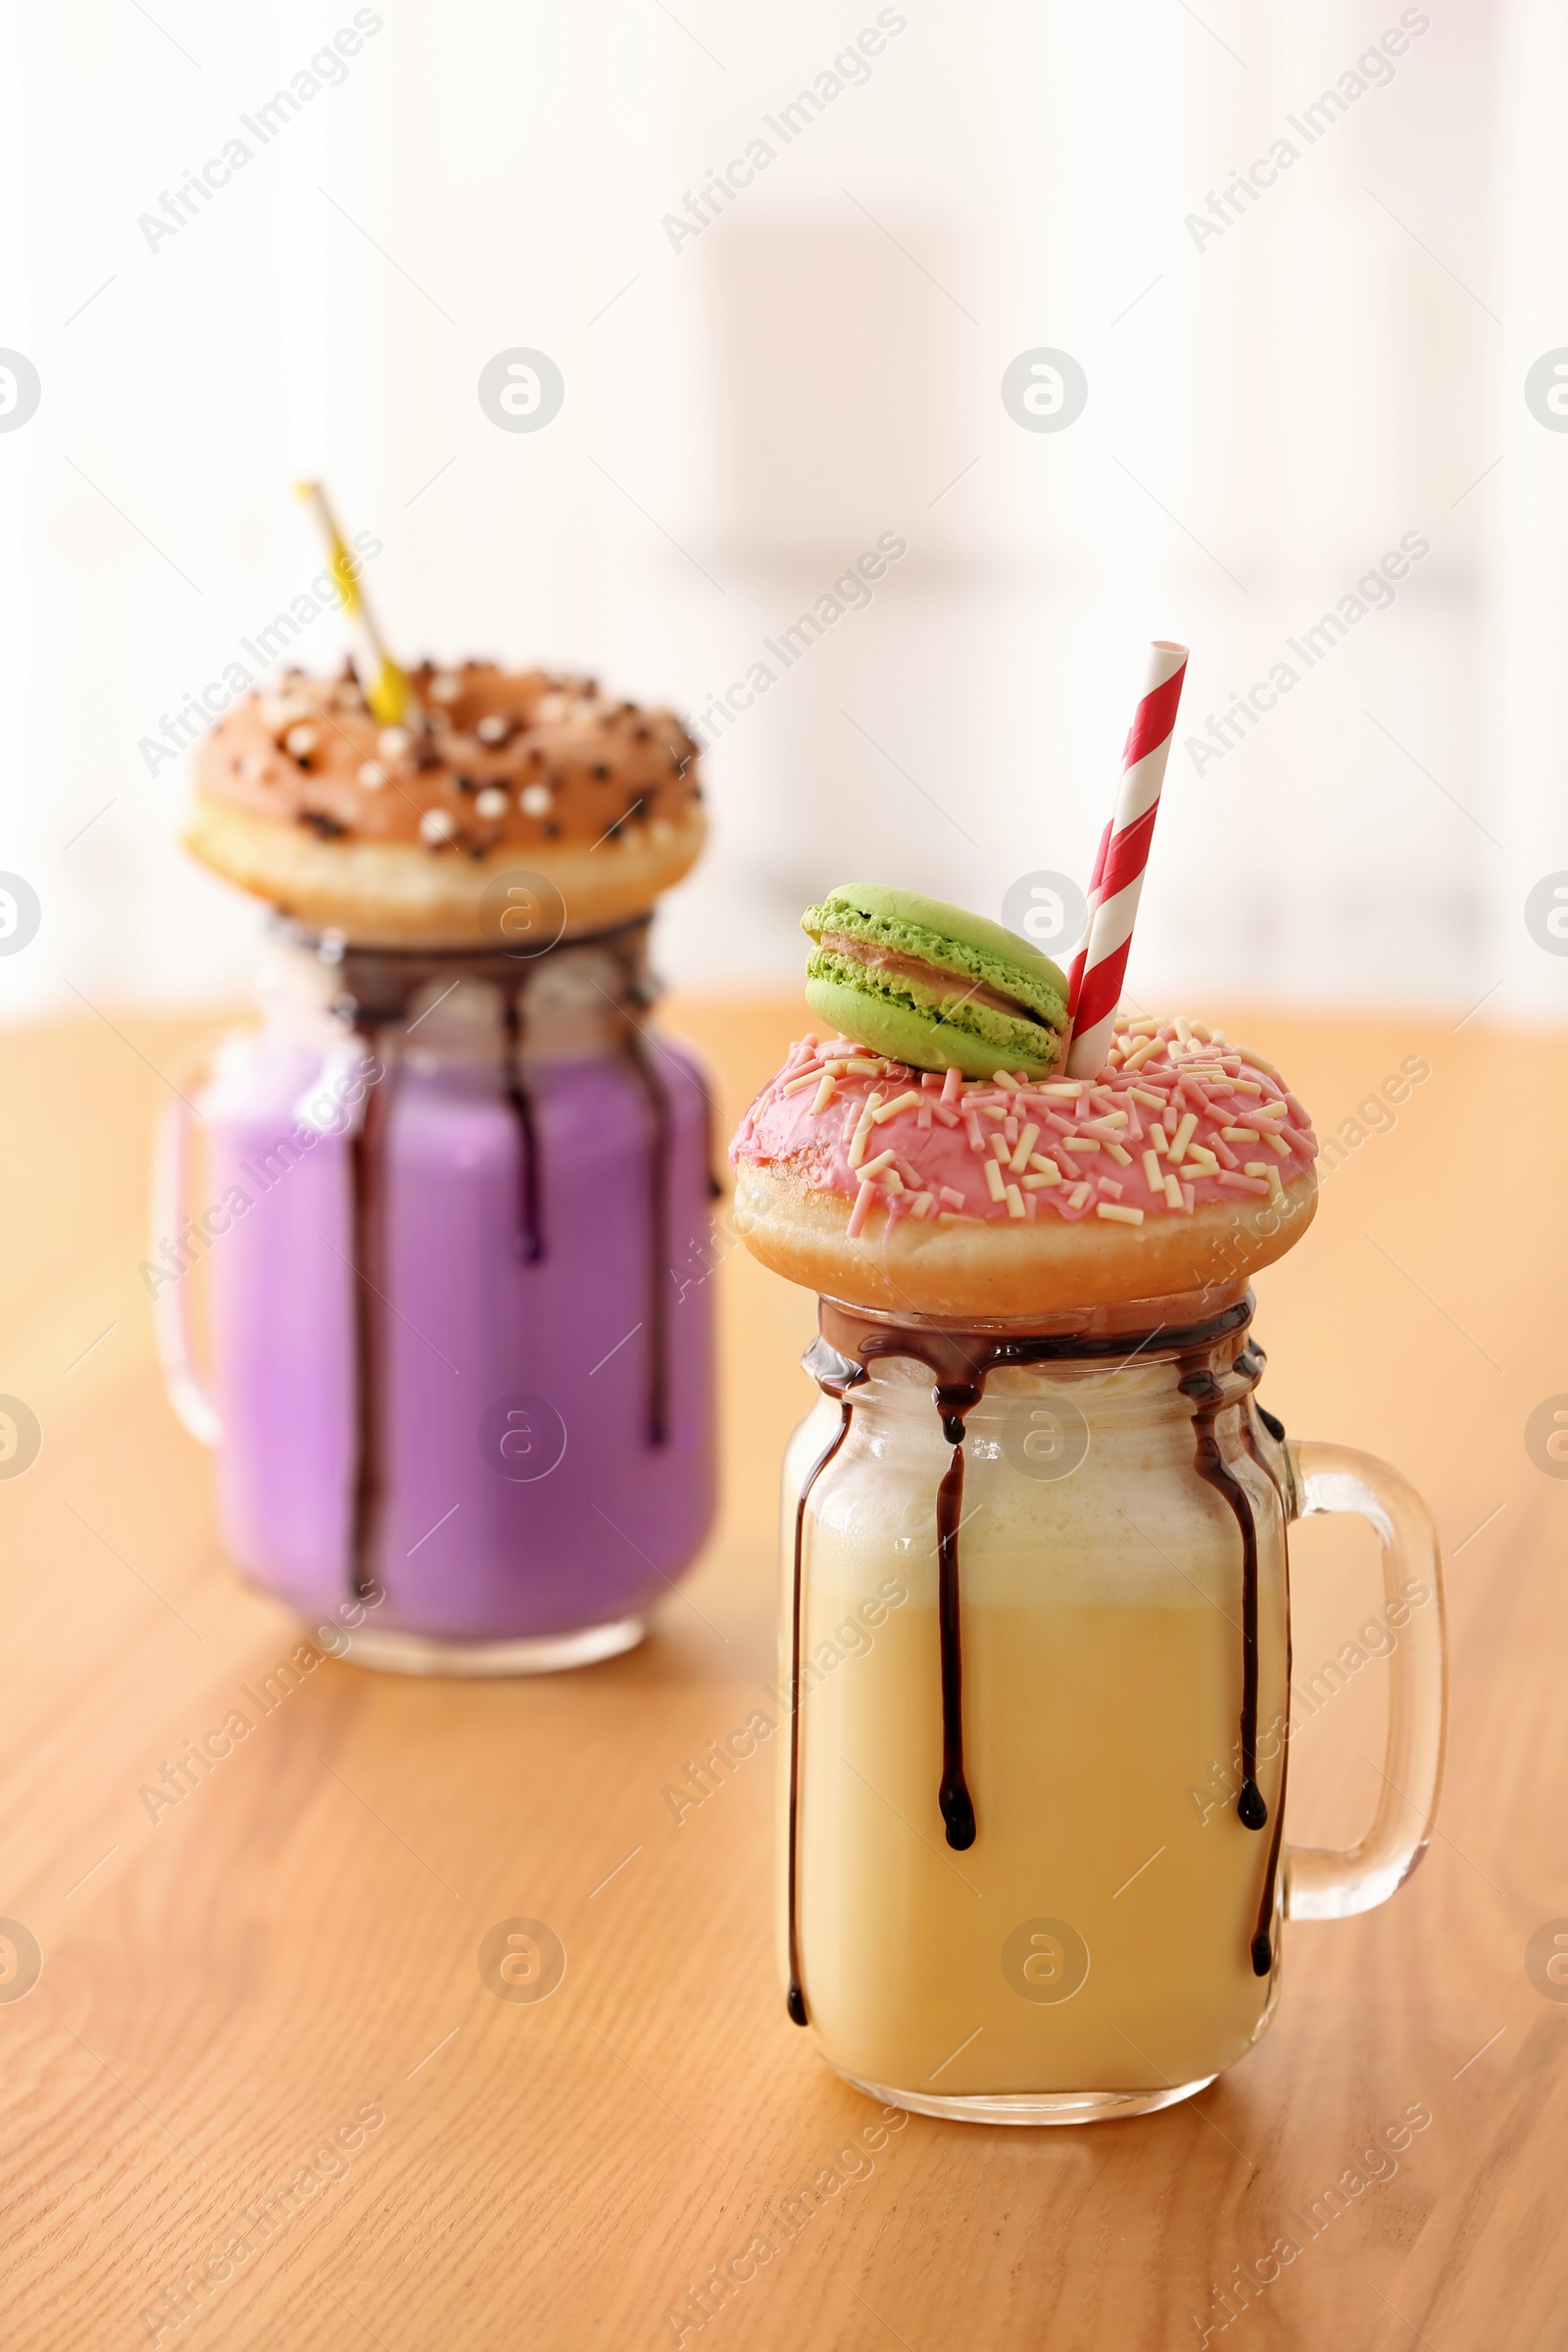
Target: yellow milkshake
1098 1934
1036 1615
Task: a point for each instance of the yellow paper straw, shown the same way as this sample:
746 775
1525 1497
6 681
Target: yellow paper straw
390 694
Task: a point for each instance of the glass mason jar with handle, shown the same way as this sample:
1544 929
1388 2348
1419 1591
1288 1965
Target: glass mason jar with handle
1037 1628
450 1209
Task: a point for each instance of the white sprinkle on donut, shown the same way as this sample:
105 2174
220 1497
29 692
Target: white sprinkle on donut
494 729
299 740
372 776
445 688
491 802
392 741
535 801
281 711
436 825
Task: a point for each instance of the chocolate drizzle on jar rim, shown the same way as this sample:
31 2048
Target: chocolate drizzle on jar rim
960 1358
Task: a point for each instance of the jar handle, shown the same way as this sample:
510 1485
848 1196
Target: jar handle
1319 1881
193 1406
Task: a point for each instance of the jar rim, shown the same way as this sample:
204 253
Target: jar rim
334 948
1168 1326
376 985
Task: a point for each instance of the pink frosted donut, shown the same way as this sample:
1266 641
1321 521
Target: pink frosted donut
1184 1166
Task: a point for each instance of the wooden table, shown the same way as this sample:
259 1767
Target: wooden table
286 1962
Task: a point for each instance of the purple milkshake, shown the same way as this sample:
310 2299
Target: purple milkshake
462 1375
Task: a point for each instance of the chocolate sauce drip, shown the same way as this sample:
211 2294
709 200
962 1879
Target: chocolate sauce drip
1263 1938
953 1800
848 1375
961 1362
531 1233
1198 1383
1252 1361
717 1187
658 1309
367 1160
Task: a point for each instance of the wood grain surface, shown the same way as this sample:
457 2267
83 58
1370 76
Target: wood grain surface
260 2092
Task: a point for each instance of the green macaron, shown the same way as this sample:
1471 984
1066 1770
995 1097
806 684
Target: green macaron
931 985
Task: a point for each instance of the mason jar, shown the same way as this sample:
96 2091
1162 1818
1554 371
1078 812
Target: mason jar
449 1211
1036 1633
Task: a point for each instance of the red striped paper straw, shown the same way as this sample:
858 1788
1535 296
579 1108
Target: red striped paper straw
1075 971
1119 872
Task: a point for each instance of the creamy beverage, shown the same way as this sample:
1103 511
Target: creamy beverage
1099 1928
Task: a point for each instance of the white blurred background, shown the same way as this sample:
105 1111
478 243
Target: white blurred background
752 402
